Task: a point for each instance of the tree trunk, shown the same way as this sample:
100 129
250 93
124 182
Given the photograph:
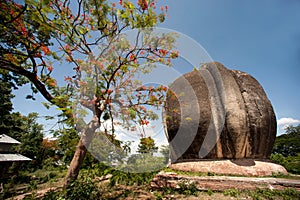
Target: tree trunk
76 163
87 135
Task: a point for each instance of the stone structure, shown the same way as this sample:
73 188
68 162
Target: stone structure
230 116
220 183
7 154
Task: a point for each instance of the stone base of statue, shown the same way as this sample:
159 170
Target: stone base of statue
219 175
240 167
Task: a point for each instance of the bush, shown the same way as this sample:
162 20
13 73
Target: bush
120 176
188 188
84 188
291 163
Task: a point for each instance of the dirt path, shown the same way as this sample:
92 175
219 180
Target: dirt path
38 193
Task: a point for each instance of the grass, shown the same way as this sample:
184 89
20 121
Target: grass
32 181
189 173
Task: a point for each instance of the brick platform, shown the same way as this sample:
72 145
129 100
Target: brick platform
220 183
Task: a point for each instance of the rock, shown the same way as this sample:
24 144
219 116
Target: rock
240 167
216 113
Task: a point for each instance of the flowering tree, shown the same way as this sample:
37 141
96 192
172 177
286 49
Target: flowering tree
88 35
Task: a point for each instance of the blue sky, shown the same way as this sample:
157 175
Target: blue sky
260 37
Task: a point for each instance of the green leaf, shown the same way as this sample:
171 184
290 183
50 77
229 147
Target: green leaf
106 116
49 117
132 113
46 105
29 97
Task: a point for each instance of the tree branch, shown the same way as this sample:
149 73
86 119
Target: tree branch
31 76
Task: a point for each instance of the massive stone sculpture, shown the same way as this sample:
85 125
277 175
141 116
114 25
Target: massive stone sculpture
216 113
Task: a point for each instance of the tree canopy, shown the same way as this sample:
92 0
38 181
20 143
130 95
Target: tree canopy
286 150
147 145
22 128
288 144
40 37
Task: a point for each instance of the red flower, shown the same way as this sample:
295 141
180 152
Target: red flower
24 31
143 4
82 83
145 122
45 49
120 2
51 82
163 52
67 48
17 5
109 91
132 57
50 68
68 78
38 55
164 88
143 109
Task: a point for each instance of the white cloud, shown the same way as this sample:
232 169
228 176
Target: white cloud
287 121
282 123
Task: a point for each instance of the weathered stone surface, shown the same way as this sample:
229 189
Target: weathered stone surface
219 183
216 113
241 167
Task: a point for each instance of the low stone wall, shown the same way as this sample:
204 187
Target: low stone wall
220 183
